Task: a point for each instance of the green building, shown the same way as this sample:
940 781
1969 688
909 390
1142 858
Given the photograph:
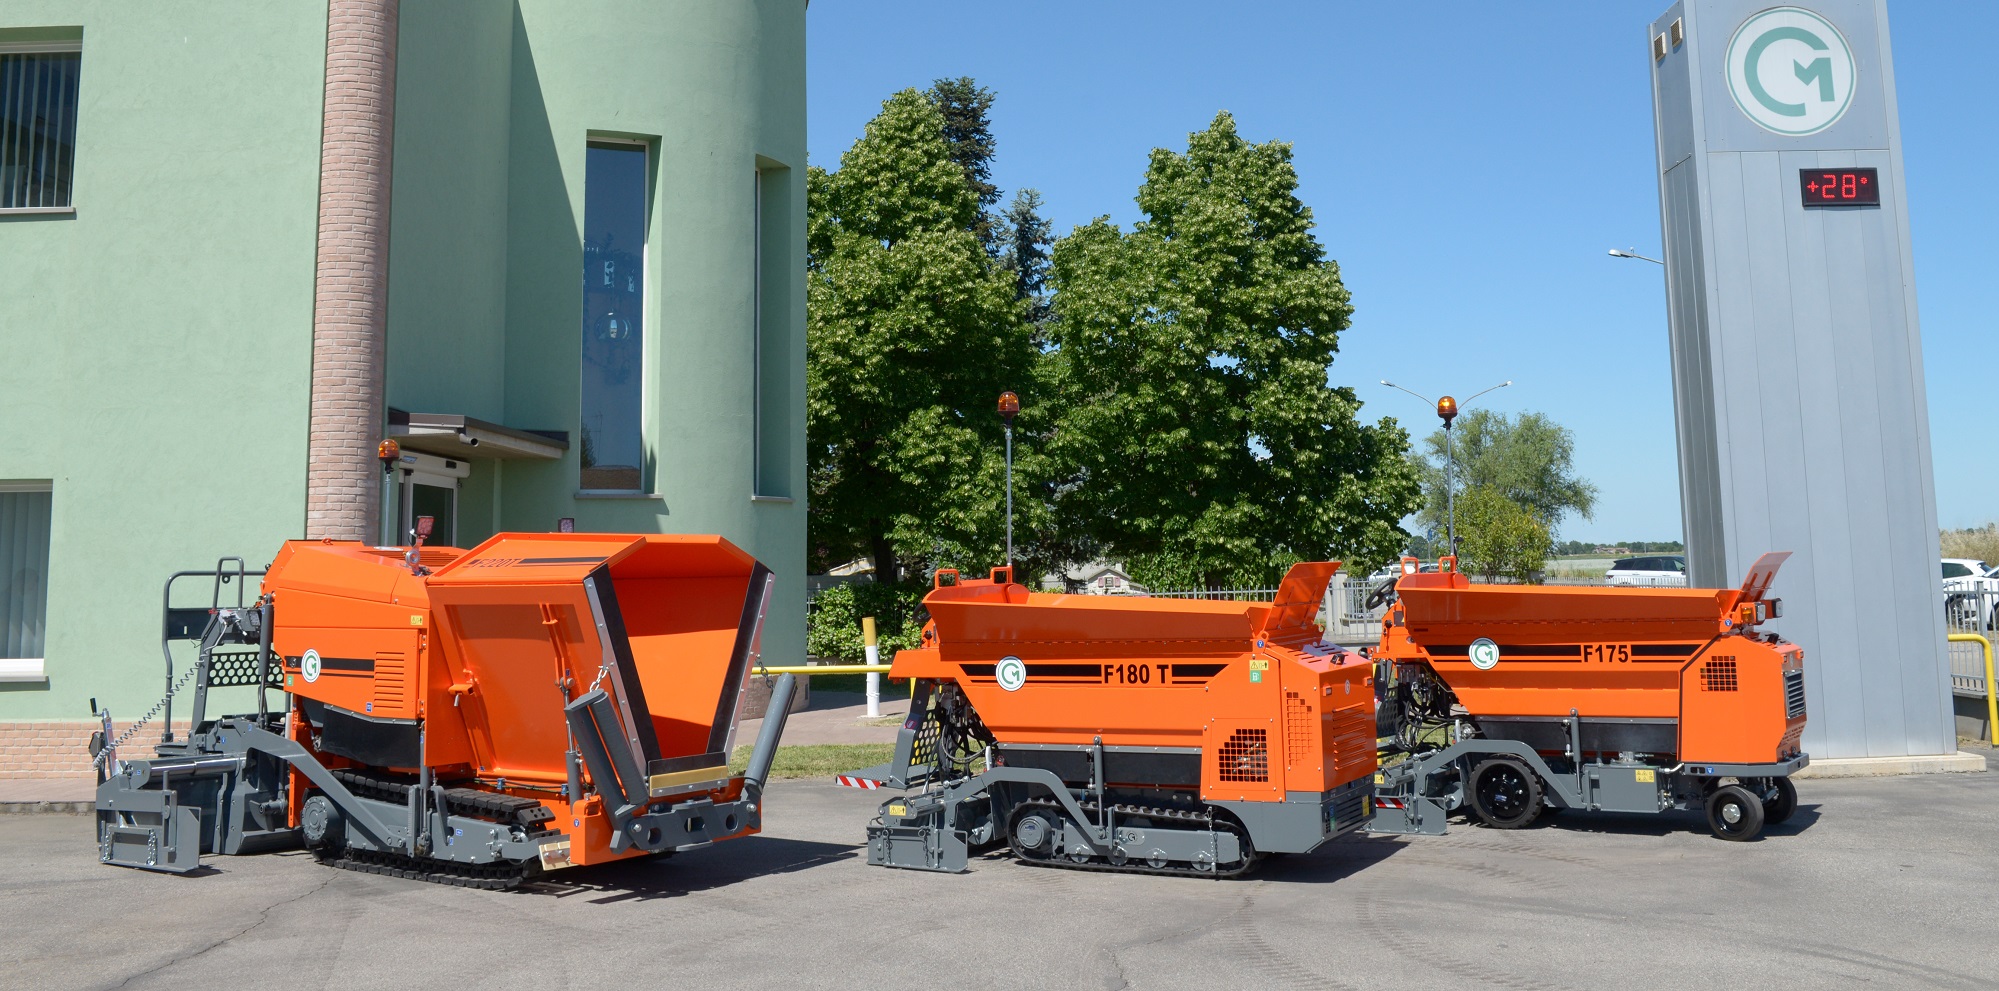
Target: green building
555 248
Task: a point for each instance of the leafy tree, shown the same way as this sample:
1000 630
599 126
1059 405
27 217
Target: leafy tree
1498 536
1028 236
1529 459
968 129
834 627
1192 355
912 333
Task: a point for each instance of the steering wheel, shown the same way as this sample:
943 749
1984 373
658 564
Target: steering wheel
1383 593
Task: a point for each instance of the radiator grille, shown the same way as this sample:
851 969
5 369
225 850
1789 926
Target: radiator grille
1718 675
390 683
1794 694
1352 753
1245 757
1298 735
1349 809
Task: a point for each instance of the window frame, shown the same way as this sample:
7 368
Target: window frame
31 670
68 46
648 331
765 174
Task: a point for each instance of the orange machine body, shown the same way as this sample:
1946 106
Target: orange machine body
1249 684
1679 673
1160 736
465 671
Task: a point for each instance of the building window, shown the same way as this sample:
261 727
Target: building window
37 125
615 209
24 571
770 389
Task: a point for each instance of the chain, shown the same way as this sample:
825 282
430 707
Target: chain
134 729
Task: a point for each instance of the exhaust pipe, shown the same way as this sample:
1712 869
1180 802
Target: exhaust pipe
773 727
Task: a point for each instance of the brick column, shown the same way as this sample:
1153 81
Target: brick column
351 280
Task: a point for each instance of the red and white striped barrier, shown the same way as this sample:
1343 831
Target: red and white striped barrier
849 781
1389 803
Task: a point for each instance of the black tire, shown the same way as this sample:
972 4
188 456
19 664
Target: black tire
1735 813
1505 793
1780 806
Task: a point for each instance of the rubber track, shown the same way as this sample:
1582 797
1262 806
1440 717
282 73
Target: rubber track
1242 867
470 802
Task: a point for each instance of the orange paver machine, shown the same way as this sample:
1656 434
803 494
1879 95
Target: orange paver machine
1513 701
470 717
1122 733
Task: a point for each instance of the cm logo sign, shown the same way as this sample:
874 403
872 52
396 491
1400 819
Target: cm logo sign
1790 71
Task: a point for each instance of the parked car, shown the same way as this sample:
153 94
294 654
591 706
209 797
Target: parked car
1971 593
1657 570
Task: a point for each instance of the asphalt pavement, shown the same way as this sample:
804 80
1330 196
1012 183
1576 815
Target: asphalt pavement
1878 882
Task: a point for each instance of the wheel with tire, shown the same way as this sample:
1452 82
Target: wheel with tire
1505 793
1779 806
1735 813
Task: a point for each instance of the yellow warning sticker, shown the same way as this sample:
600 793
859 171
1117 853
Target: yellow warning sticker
1646 775
1380 779
1259 664
898 810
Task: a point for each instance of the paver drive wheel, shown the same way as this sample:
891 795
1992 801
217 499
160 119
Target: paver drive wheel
1505 794
1779 807
1735 813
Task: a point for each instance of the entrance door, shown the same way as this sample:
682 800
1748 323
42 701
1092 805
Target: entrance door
429 487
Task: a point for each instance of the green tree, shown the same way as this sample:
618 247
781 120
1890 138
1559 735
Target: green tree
1192 356
1498 536
913 330
834 626
967 107
1529 459
1028 236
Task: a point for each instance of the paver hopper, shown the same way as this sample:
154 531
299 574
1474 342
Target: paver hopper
1514 700
474 717
1124 733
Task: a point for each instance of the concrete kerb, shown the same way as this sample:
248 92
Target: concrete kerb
1962 762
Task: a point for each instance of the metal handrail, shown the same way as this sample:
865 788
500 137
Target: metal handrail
1991 696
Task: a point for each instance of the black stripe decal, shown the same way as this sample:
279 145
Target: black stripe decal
335 664
531 561
1567 651
1676 651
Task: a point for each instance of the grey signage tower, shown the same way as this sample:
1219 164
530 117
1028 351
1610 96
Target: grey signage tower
1797 365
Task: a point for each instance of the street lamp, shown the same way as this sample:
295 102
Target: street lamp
1447 410
1009 404
1632 253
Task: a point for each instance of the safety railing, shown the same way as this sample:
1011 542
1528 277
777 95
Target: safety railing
1991 691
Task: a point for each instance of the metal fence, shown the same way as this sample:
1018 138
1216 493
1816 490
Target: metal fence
1970 611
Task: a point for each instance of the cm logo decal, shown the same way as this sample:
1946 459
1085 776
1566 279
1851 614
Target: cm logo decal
309 666
1011 674
1790 71
1484 654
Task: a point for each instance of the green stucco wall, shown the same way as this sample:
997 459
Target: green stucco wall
157 342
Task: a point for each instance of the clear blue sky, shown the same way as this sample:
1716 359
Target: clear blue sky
1468 165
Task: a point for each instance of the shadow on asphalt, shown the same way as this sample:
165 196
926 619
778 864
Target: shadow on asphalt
1642 824
1333 862
686 873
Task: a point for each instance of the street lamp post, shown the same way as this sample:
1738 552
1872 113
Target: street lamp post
1631 253
1447 411
1009 404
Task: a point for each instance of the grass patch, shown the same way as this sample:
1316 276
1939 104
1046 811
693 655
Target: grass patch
817 760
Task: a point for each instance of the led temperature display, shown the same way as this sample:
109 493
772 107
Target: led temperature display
1840 187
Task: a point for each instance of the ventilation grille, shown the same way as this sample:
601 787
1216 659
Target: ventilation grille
1298 735
1352 754
391 684
232 668
1792 742
1245 757
1718 675
1794 694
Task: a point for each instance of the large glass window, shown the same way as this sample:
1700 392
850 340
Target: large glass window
614 251
774 345
24 567
37 128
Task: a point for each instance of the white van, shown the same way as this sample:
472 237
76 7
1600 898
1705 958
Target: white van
1664 570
